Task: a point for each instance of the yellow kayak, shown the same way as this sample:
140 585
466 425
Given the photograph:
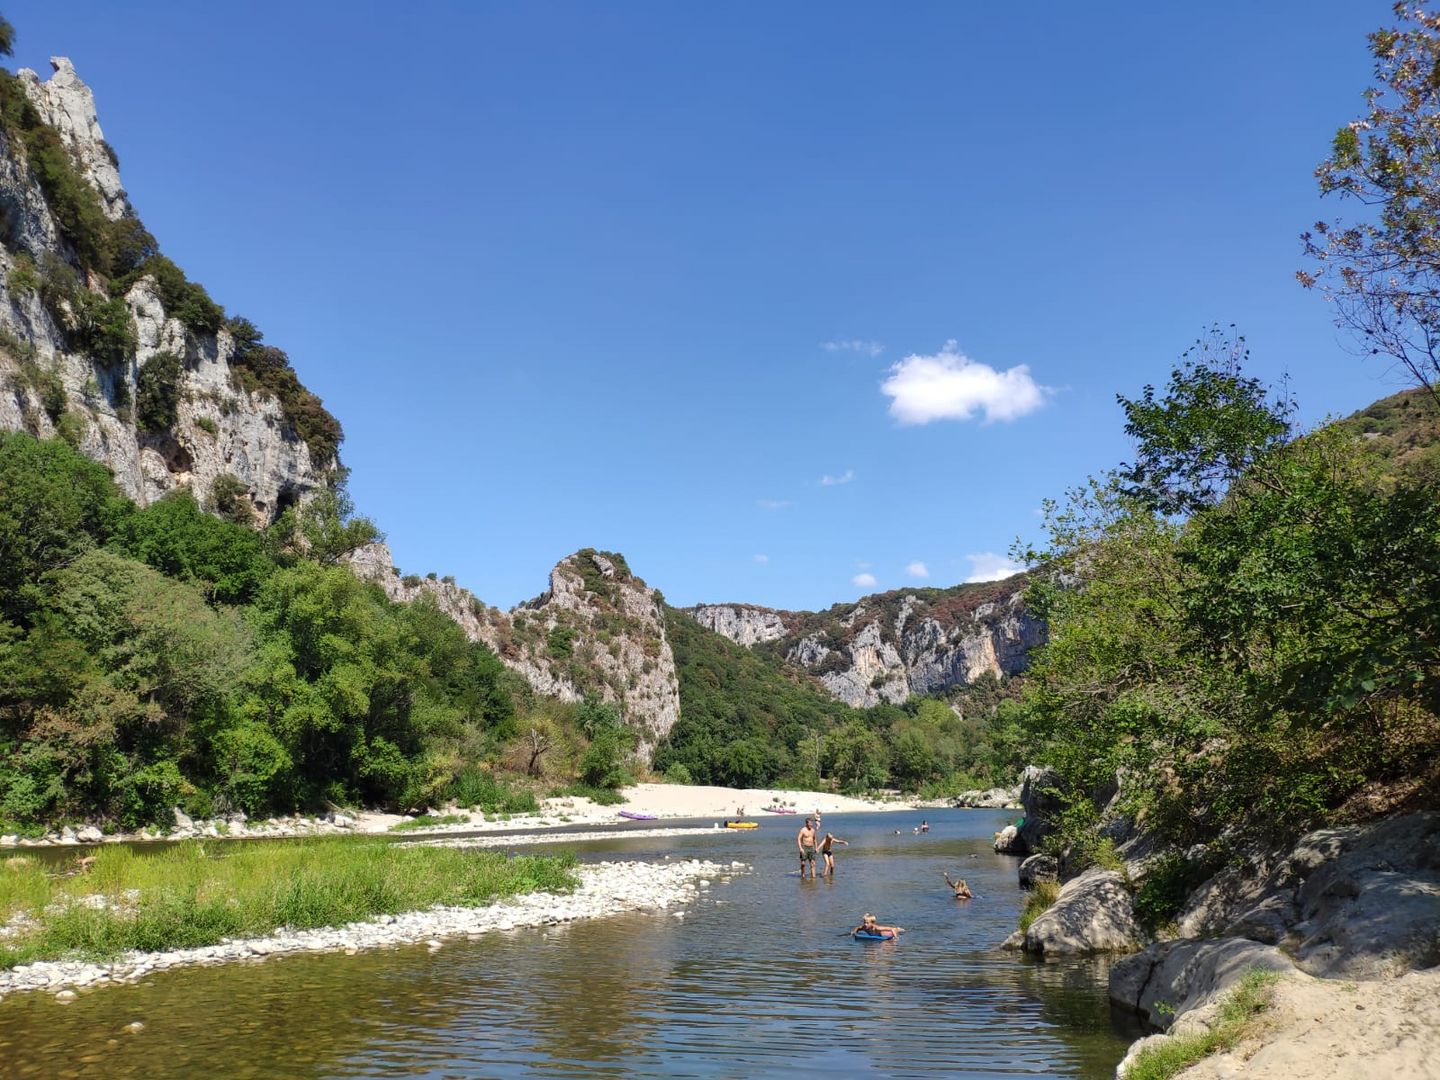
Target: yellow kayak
741 825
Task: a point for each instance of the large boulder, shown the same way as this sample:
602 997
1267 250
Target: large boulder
1038 868
1170 978
1039 796
1092 914
1356 902
1008 842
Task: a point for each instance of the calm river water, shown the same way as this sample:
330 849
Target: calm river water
758 980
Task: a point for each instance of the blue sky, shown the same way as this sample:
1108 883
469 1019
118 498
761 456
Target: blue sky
567 272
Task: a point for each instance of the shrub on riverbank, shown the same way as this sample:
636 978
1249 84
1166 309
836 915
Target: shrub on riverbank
1238 1016
186 898
1038 901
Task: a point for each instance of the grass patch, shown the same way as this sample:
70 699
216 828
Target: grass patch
600 796
1238 1012
184 897
429 821
1038 902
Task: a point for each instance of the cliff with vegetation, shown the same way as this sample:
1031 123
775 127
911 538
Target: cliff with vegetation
889 647
106 344
598 632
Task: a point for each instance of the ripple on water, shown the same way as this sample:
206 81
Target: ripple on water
761 983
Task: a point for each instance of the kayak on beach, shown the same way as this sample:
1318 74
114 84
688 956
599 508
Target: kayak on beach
777 809
635 815
741 825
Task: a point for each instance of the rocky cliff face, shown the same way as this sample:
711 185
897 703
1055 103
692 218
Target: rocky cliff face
51 384
597 630
892 645
743 624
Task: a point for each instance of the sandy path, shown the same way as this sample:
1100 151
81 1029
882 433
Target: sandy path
1323 1029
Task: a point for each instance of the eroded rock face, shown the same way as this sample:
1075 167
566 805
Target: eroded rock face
1093 914
597 630
888 647
221 429
743 624
1362 901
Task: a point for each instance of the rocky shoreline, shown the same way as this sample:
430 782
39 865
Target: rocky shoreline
608 888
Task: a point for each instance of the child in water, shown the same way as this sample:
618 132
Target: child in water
961 890
868 925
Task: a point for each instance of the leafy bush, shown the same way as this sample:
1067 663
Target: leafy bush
678 774
147 794
157 393
1038 901
182 299
252 765
229 498
103 329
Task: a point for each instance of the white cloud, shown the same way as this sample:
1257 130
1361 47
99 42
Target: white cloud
865 348
864 581
835 481
951 386
762 559
772 504
917 569
987 566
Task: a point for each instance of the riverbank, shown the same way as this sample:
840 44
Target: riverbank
1329 1029
601 889
657 800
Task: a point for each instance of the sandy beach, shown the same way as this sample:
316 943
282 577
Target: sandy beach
659 800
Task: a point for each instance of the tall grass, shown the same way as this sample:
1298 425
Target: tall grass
475 787
1041 897
1238 1013
186 897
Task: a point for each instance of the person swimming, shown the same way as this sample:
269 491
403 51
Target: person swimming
959 888
868 925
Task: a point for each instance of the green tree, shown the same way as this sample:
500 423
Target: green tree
157 393
1213 424
1380 270
856 758
55 504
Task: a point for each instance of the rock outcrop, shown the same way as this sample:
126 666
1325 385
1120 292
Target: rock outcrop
1361 901
990 799
1093 914
1170 978
744 624
890 646
50 384
598 630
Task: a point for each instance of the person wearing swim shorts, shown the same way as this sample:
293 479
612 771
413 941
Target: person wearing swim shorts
805 841
827 851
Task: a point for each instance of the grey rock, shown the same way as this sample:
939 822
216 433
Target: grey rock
991 799
1039 868
1093 914
1357 902
1007 841
182 819
90 834
1171 978
743 624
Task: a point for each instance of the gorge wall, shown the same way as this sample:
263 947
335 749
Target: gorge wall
54 308
890 646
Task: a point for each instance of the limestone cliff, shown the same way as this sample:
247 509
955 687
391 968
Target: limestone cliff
53 377
887 647
598 629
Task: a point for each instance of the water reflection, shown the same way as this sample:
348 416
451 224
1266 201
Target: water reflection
758 981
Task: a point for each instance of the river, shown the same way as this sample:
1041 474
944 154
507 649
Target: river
758 979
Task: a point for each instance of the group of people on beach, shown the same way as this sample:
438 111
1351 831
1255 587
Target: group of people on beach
812 849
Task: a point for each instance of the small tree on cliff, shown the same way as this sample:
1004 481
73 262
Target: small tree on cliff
1383 272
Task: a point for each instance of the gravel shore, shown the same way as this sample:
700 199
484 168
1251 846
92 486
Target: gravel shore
605 889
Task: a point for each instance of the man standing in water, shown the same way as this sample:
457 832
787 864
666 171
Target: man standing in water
805 841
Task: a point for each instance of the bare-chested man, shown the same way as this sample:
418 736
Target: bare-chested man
805 841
